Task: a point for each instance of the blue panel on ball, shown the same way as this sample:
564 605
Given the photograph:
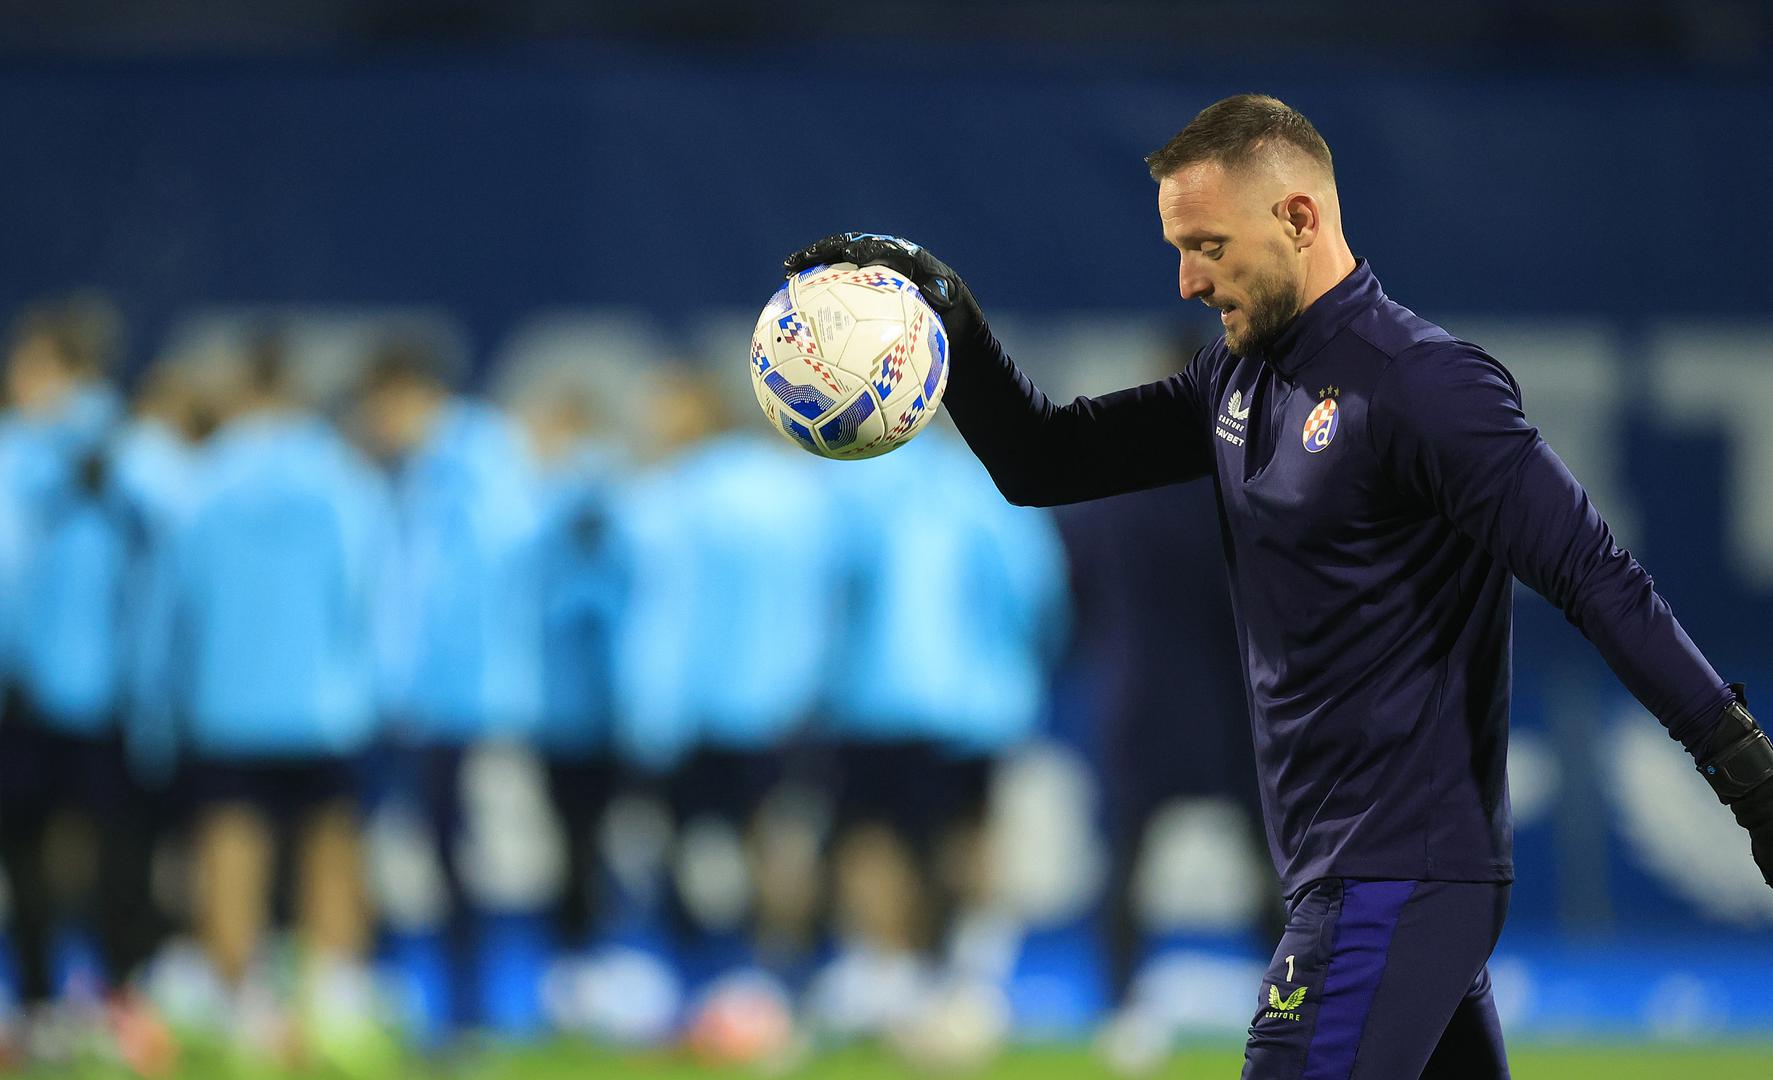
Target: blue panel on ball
892 365
808 401
938 358
840 431
778 305
801 435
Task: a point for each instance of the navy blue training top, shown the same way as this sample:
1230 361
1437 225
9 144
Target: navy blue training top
1379 488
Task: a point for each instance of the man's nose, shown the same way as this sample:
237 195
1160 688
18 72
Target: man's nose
1192 282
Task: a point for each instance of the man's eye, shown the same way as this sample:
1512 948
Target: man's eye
1213 252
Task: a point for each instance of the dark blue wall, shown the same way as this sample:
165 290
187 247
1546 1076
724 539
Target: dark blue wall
497 182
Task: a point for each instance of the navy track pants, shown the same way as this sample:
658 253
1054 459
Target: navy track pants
1382 980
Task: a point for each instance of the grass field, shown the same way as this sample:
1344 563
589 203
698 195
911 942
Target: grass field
563 1062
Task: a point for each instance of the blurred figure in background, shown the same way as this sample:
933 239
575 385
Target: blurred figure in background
67 838
463 663
956 609
267 678
582 584
1156 647
154 455
732 546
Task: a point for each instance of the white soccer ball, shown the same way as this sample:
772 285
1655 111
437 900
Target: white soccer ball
847 361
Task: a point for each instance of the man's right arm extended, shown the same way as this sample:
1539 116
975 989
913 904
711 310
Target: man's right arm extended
1038 453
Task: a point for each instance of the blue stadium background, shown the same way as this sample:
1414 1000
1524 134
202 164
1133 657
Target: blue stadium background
1595 222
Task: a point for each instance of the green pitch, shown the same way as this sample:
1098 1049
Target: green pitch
563 1062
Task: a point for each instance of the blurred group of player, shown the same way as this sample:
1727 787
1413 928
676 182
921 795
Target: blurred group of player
562 731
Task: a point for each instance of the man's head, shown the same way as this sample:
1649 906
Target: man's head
240 379
405 385
169 393
688 407
558 410
1247 194
55 348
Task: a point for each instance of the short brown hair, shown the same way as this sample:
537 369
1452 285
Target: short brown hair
408 357
1233 131
83 331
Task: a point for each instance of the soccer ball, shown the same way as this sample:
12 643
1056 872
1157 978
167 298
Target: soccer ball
848 361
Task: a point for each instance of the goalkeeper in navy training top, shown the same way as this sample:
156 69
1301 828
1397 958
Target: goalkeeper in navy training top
1378 488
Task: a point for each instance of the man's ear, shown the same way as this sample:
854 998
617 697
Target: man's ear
1301 216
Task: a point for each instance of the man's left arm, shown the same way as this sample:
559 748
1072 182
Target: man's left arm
1448 423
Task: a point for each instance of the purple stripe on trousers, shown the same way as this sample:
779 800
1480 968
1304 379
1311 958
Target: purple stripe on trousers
1357 961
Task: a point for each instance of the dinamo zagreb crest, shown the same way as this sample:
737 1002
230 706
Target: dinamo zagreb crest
1320 426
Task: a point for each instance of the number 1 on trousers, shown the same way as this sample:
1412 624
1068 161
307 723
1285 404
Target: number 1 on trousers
1289 969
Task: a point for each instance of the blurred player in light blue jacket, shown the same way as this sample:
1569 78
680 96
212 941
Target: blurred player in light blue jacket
64 795
270 679
463 662
58 466
957 610
154 456
733 545
582 580
466 662
733 586
959 607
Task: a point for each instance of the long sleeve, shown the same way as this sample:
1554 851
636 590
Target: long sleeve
1447 423
1040 454
150 719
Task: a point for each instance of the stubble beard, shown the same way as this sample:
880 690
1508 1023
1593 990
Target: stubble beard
1273 305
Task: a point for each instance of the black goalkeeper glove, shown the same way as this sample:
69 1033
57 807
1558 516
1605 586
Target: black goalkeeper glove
940 285
1738 764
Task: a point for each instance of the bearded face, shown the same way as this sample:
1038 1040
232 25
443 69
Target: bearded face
1271 301
1239 251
